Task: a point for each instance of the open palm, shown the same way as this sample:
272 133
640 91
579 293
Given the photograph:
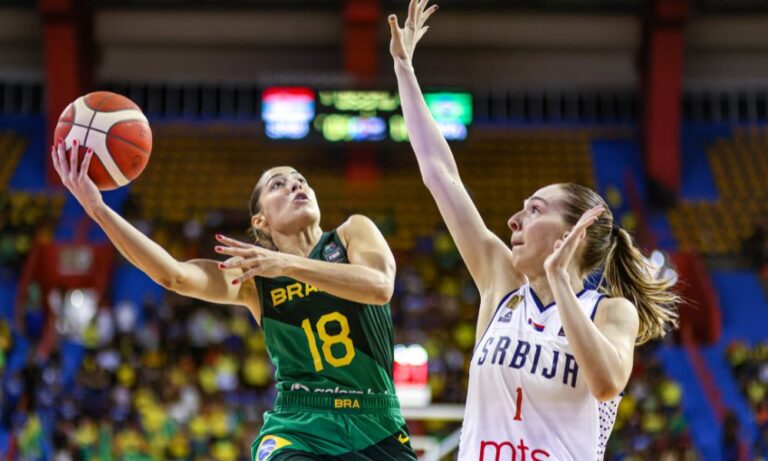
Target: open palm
404 40
566 247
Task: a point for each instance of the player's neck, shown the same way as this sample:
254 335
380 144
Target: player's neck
299 243
540 285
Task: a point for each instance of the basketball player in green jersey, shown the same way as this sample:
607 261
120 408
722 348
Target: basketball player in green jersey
321 298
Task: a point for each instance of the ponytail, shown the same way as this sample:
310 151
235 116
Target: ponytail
628 274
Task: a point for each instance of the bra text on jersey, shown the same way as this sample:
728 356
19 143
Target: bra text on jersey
294 290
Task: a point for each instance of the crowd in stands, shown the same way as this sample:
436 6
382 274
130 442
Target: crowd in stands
649 422
750 368
24 217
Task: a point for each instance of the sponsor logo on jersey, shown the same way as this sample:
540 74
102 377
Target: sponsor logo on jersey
536 326
332 253
403 438
561 332
506 318
268 445
513 302
507 450
328 390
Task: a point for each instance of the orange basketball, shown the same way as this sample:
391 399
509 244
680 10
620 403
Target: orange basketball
117 131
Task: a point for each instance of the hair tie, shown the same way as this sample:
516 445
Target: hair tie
615 228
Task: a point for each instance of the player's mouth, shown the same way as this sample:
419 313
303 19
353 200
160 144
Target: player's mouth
301 197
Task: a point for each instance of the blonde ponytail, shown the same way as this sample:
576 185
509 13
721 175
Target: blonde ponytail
628 274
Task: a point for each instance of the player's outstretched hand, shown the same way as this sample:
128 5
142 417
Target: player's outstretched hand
253 260
403 42
75 177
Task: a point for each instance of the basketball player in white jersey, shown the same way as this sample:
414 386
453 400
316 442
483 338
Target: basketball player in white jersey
551 357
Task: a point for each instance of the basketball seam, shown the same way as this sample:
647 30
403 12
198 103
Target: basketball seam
108 134
95 111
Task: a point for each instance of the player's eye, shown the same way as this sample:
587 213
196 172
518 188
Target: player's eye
276 184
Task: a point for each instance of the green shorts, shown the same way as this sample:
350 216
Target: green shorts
312 426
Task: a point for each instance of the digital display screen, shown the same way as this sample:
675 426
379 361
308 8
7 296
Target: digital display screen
356 116
451 110
287 112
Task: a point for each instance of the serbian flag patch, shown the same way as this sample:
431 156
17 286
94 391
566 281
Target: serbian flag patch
536 326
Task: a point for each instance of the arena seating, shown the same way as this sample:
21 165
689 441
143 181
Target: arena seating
739 166
12 147
192 174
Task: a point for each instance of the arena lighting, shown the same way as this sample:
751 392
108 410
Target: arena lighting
287 112
76 311
662 266
411 375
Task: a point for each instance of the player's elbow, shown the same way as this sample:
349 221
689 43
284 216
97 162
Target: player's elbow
435 176
171 281
382 294
381 291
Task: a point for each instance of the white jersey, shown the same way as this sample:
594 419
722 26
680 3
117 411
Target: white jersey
526 399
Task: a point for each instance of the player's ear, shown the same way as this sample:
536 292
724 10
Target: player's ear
259 222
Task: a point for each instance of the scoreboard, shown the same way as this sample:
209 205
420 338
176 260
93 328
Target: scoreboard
352 115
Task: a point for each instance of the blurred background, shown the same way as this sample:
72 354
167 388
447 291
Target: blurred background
660 105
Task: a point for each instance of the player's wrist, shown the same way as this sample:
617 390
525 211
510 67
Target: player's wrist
557 275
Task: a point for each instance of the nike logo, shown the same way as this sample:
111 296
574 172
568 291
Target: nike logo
402 438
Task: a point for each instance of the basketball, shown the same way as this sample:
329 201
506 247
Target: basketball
117 131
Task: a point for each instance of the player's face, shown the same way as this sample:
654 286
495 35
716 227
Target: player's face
536 228
288 204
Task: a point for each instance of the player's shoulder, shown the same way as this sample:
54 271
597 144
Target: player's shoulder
616 309
356 224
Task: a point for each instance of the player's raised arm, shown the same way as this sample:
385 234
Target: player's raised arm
485 255
201 279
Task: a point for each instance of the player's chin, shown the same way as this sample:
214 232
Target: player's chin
524 259
306 211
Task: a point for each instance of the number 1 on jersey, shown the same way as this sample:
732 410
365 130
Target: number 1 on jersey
519 404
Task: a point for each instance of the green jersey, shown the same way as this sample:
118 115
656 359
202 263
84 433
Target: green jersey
322 343
333 360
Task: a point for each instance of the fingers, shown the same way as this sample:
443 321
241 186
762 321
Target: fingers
238 261
73 154
430 11
422 4
410 21
232 251
394 28
61 155
55 158
246 275
232 242
85 165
